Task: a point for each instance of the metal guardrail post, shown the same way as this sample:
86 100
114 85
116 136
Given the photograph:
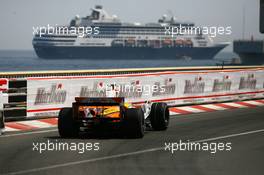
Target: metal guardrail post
2 124
15 109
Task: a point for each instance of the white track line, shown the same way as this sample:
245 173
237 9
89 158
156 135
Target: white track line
7 129
28 133
173 113
214 107
261 100
235 105
231 135
254 103
125 154
36 123
190 109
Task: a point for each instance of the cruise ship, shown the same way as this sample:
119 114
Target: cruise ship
112 39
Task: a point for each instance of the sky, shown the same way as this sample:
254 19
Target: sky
18 17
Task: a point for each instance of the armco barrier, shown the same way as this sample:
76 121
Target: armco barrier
42 94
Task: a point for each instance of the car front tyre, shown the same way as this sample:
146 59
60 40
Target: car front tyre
159 116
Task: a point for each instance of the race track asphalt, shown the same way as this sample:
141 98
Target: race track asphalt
242 128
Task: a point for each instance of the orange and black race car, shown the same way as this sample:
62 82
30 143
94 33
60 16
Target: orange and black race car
112 112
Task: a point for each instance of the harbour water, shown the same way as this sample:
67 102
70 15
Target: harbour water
28 61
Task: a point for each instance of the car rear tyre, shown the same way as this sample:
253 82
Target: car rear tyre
66 125
159 116
134 123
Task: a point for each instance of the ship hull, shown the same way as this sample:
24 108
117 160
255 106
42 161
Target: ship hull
251 58
250 52
52 52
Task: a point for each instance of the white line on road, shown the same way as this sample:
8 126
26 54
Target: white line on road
28 133
124 154
230 136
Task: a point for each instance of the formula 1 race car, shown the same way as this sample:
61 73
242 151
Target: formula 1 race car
112 112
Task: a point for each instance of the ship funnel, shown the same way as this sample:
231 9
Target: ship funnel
114 16
98 7
77 17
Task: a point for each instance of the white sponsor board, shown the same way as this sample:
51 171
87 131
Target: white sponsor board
45 96
1 101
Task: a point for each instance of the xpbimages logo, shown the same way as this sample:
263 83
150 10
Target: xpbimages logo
212 31
79 147
212 147
65 30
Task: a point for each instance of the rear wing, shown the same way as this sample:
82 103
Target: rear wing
100 100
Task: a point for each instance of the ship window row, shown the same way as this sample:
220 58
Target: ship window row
120 29
137 34
114 36
147 29
56 36
143 27
130 27
201 42
203 45
139 37
54 44
199 38
133 33
93 44
53 40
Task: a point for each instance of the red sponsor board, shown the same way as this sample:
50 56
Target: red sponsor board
3 84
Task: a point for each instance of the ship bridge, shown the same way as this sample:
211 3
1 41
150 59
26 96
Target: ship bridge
98 15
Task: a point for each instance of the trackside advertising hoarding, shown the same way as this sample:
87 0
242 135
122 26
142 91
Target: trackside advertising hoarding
3 84
3 88
46 96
